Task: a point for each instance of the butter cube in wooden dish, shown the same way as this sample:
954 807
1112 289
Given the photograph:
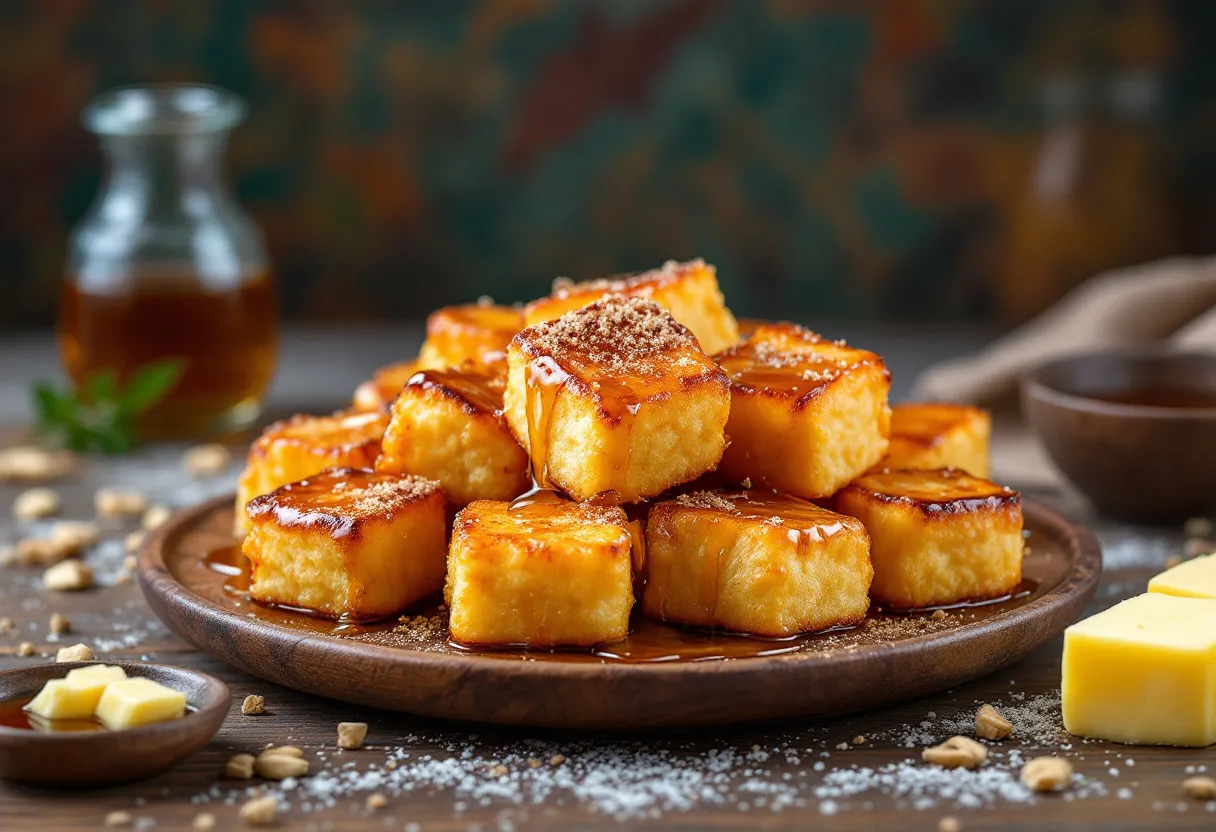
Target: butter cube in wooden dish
347 543
378 393
615 397
1143 672
689 291
539 572
937 537
1194 578
129 703
303 445
754 562
76 695
475 332
448 425
928 436
807 415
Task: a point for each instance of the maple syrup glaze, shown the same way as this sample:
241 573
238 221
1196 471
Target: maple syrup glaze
380 391
225 339
926 425
787 359
14 715
480 388
941 491
648 641
477 332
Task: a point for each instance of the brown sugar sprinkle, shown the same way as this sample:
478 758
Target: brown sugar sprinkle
341 495
707 500
613 333
638 284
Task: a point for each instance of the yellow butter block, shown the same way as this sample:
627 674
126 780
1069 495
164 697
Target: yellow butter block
1192 579
1143 672
139 701
76 695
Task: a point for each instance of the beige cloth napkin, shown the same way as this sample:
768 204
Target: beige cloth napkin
1169 301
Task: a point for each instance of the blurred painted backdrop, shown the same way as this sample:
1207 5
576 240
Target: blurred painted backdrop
901 159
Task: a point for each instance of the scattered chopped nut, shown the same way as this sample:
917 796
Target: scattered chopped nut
75 653
203 821
990 725
273 765
956 752
1197 546
253 705
133 541
130 562
68 576
557 759
75 534
30 464
36 503
285 750
156 516
376 801
499 770
351 734
260 811
859 740
113 502
60 624
239 766
25 648
949 824
118 818
939 615
67 538
206 460
534 762
1199 527
842 746
1200 788
1172 561
1046 774
6 627
122 579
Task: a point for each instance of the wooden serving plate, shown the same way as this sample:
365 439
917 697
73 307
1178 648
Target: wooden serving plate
659 676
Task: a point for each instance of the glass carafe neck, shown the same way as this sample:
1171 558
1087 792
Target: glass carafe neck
168 173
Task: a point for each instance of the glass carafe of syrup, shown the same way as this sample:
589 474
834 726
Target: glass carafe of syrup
166 264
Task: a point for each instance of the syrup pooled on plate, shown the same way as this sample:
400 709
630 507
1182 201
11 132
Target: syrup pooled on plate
14 715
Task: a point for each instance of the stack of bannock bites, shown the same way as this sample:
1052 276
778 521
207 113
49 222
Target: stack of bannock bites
620 444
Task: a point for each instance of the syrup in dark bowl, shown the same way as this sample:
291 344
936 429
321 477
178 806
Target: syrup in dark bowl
1176 398
14 715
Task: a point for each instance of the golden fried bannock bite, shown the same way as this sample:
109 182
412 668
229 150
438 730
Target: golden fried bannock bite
542 573
347 543
807 415
615 396
927 436
937 537
303 445
448 425
754 562
476 332
378 393
689 291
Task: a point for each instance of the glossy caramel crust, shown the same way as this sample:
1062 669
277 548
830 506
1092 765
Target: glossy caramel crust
935 494
785 361
772 507
476 391
340 501
346 432
637 284
473 332
926 424
618 369
379 392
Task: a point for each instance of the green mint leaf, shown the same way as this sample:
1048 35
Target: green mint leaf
149 385
101 387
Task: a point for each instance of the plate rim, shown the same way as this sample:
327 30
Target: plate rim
169 599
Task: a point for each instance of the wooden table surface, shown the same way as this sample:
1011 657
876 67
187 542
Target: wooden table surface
442 775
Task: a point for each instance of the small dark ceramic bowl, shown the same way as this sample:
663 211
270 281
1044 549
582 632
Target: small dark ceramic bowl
1135 462
78 759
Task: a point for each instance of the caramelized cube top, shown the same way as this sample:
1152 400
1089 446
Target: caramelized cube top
340 500
381 390
544 517
346 430
475 388
473 332
799 518
637 285
620 351
787 361
926 424
943 491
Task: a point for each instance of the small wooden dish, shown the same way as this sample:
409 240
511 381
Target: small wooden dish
657 677
79 759
1135 459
